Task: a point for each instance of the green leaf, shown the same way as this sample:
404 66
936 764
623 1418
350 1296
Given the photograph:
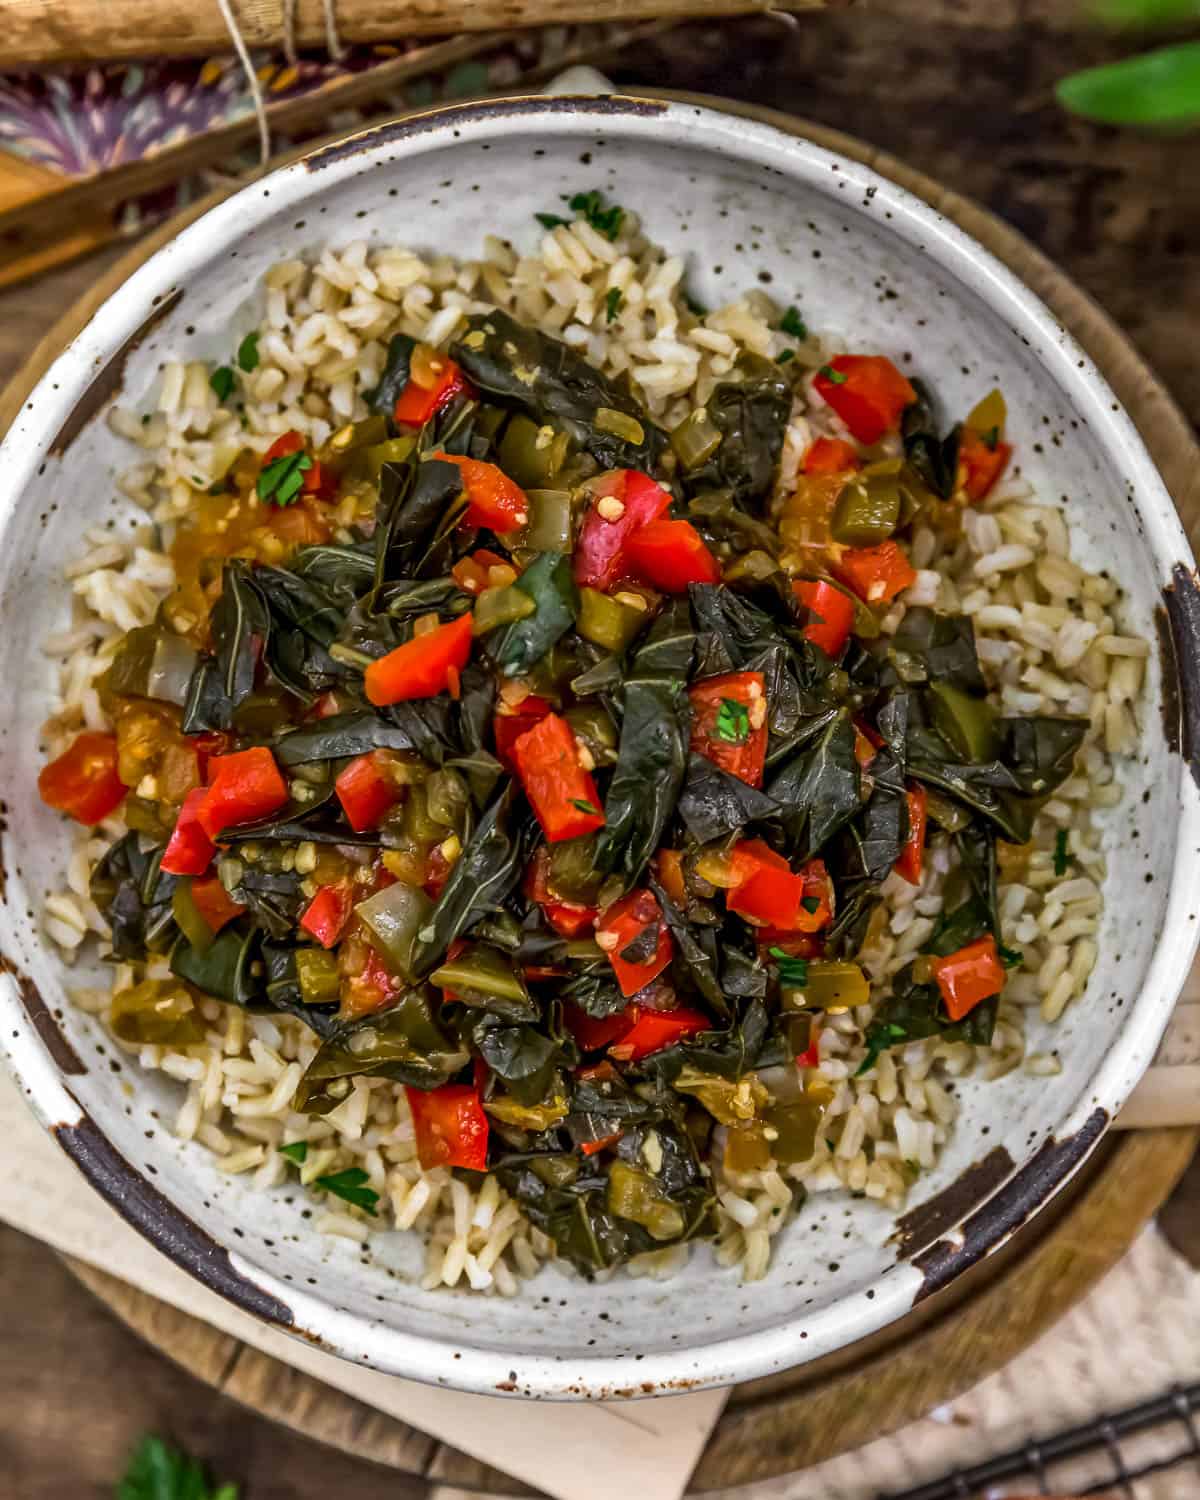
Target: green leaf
221 380
247 353
1154 88
835 377
1144 13
282 479
792 971
785 356
157 1472
551 221
350 1186
733 722
583 806
604 220
793 324
612 303
1062 856
297 1152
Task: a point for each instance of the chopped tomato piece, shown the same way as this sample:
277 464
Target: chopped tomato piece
724 729
189 850
83 781
213 902
983 460
967 977
622 504
368 984
298 524
831 456
423 667
562 794
669 555
653 1030
493 499
417 403
635 922
472 573
568 918
865 748
770 893
833 614
327 913
793 944
437 872
876 574
366 789
593 1032
245 786
909 863
287 443
511 723
867 391
211 743
450 1126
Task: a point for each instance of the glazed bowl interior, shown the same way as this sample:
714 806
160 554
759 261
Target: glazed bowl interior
871 268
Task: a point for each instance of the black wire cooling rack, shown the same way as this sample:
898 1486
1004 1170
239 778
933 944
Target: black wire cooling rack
1115 1456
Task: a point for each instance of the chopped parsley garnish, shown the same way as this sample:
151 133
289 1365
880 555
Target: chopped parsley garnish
785 356
990 438
551 221
612 303
605 221
1062 857
297 1152
282 479
695 306
247 353
1009 957
221 381
157 1472
811 904
879 1038
835 377
350 1185
793 324
792 971
585 807
732 722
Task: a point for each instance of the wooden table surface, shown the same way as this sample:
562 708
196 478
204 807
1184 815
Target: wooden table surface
958 88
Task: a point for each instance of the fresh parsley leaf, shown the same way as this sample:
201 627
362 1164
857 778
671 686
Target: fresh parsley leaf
990 438
605 221
612 303
297 1152
1010 957
247 353
350 1185
550 221
157 1472
695 306
221 381
785 356
811 904
879 1038
1062 858
584 806
282 479
792 971
732 722
793 324
835 377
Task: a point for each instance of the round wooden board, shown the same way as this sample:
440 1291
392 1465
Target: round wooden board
950 1342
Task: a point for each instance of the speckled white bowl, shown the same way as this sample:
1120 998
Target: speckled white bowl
869 264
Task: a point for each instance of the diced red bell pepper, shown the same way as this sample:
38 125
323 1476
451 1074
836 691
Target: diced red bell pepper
437 872
668 555
366 789
568 918
984 462
450 1126
510 724
593 1032
867 391
633 500
83 781
876 574
245 787
653 1030
769 892
591 1148
793 944
724 710
427 665
833 613
471 573
969 976
212 742
493 499
213 902
621 924
811 1056
831 456
418 403
913 854
284 445
562 794
189 850
327 914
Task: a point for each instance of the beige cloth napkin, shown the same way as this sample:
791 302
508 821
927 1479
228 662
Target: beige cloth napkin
648 1448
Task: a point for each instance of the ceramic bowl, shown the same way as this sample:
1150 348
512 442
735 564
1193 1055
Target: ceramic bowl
870 265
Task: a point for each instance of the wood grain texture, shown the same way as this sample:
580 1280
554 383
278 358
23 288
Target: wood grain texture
973 105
